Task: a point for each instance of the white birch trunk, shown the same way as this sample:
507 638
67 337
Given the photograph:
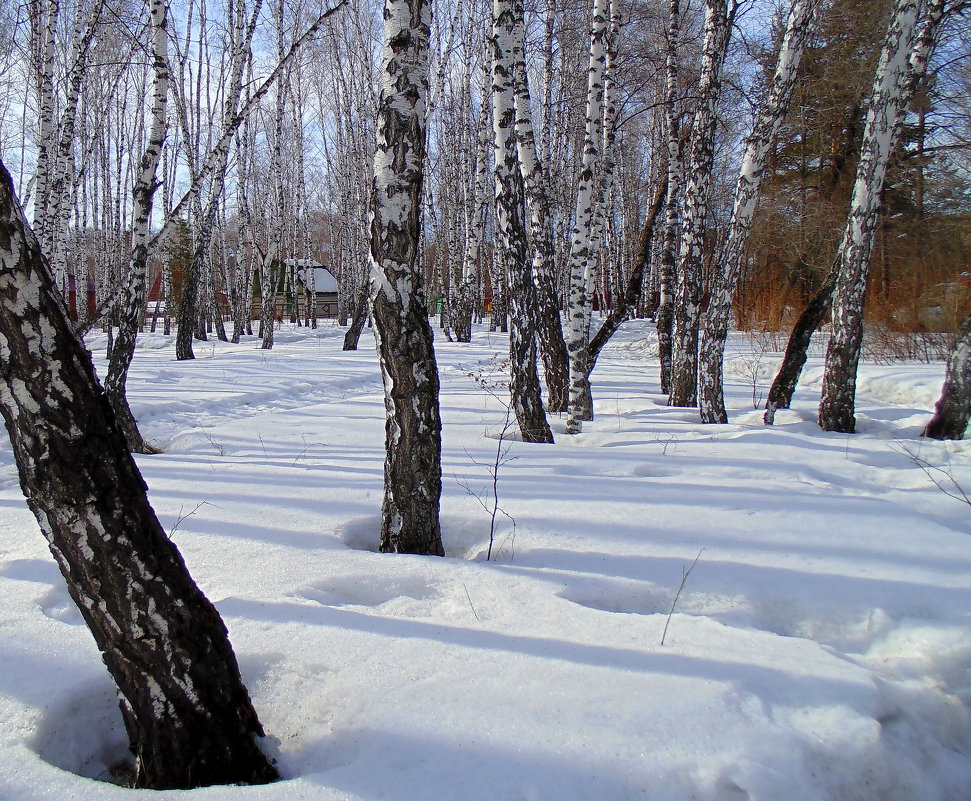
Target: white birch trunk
910 38
549 324
44 16
583 244
524 388
668 268
474 229
710 390
953 409
697 191
412 469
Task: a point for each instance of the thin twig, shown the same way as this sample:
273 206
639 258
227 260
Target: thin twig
183 517
677 595
467 595
948 484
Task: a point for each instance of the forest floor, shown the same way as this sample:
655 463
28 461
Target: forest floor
820 647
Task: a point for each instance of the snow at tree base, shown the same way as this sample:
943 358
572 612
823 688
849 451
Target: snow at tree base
819 649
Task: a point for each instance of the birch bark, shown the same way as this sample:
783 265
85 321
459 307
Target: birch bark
412 468
143 195
524 386
669 249
719 16
188 716
583 244
911 35
953 409
711 396
43 16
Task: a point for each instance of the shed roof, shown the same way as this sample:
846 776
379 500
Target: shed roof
324 280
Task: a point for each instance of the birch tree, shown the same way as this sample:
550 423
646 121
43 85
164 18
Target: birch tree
524 387
953 408
270 252
189 718
910 38
583 245
475 226
719 18
44 19
143 193
711 391
669 248
549 325
412 467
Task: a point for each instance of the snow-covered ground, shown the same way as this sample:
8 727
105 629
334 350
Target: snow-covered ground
819 650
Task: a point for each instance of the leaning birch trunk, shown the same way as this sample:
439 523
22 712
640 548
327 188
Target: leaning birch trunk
189 718
130 307
549 331
524 388
412 467
628 299
711 393
669 247
353 335
797 350
902 63
953 409
582 245
697 191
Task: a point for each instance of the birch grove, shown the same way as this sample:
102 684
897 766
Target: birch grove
545 170
558 167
